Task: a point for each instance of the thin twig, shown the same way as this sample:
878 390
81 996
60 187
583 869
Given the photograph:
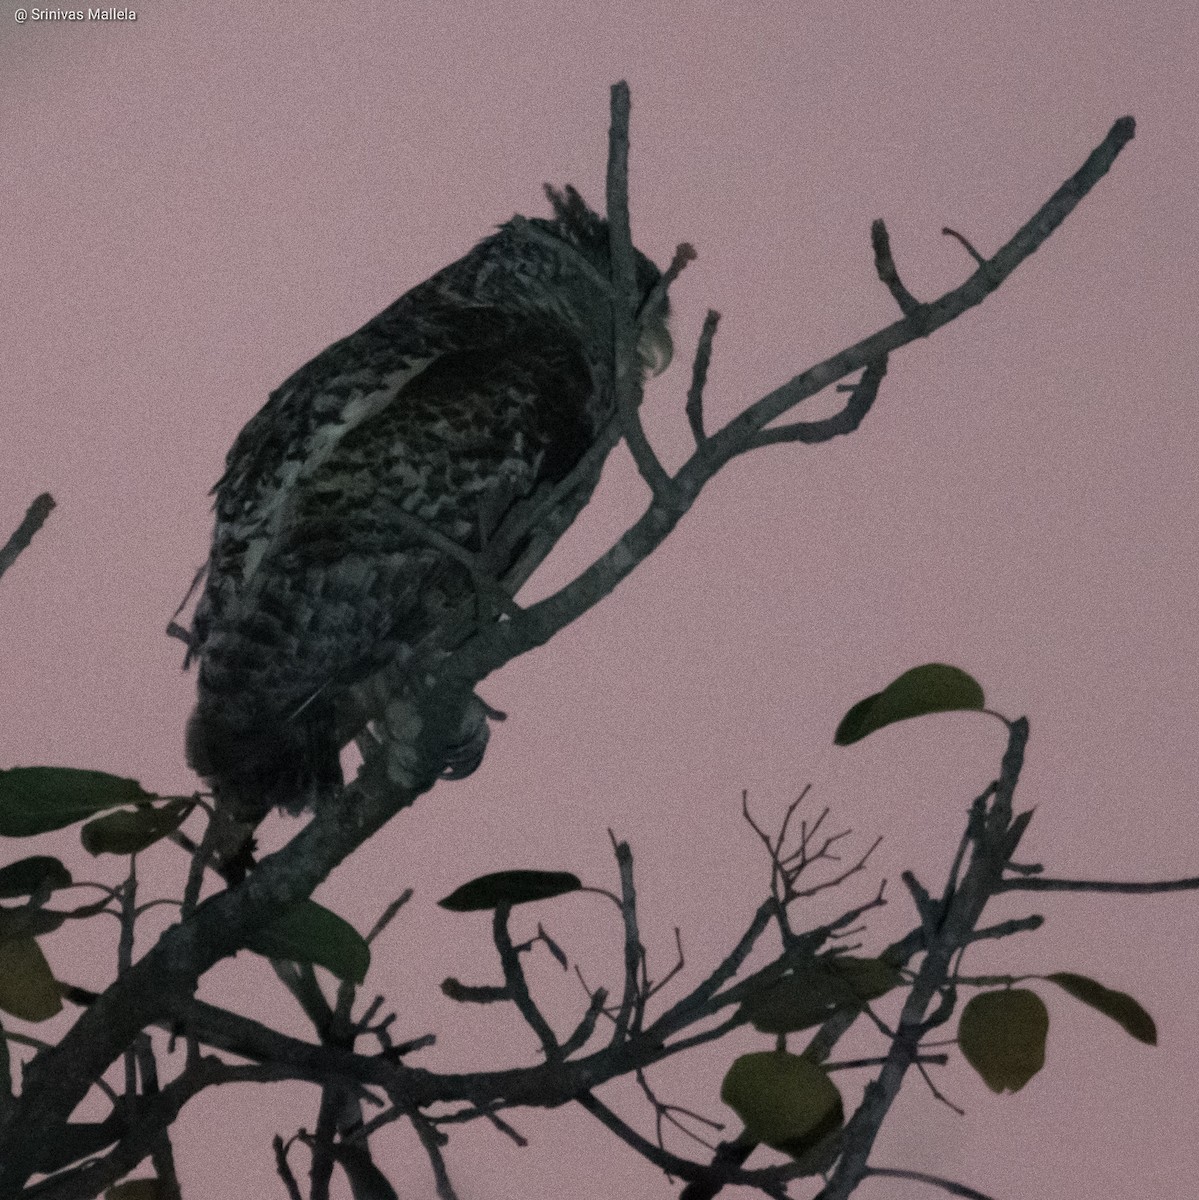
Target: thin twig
517 985
884 264
34 519
432 1140
947 1185
388 914
284 1168
699 377
974 254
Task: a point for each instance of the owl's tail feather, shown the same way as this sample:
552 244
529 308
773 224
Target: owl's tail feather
255 767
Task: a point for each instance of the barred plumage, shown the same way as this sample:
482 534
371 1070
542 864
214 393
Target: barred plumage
491 378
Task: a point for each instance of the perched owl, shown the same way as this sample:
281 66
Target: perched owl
476 388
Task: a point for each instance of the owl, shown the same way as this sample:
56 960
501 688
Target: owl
354 502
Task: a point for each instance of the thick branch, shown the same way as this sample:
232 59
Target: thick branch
155 1114
58 1079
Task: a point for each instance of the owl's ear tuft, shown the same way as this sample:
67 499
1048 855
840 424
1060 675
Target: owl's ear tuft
572 214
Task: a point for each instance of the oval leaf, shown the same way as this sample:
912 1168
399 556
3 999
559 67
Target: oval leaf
27 987
809 994
1120 1006
785 1100
25 876
137 1189
127 832
933 687
1002 1035
509 887
870 978
40 799
28 922
310 933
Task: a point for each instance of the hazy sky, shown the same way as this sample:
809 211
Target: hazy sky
198 201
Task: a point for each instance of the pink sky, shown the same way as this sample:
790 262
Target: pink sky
197 202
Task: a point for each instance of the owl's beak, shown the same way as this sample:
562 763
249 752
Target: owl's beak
655 347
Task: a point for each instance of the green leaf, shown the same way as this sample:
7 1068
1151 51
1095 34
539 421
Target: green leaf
41 799
870 978
933 687
509 887
1120 1006
28 922
1002 1035
26 875
310 933
786 1100
28 989
812 992
128 831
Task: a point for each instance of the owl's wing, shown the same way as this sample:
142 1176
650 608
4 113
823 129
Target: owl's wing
474 430
323 585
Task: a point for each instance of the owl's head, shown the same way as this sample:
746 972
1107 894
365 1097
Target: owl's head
584 229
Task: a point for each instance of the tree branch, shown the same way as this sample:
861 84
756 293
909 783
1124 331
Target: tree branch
34 519
535 625
627 368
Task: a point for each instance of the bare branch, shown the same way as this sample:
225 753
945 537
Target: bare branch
626 366
948 1185
284 1169
154 1114
672 1164
699 377
586 1026
684 253
884 264
930 317
974 254
34 519
538 623
389 914
665 1112
517 985
629 1015
1041 884
998 836
432 1140
162 1155
861 399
